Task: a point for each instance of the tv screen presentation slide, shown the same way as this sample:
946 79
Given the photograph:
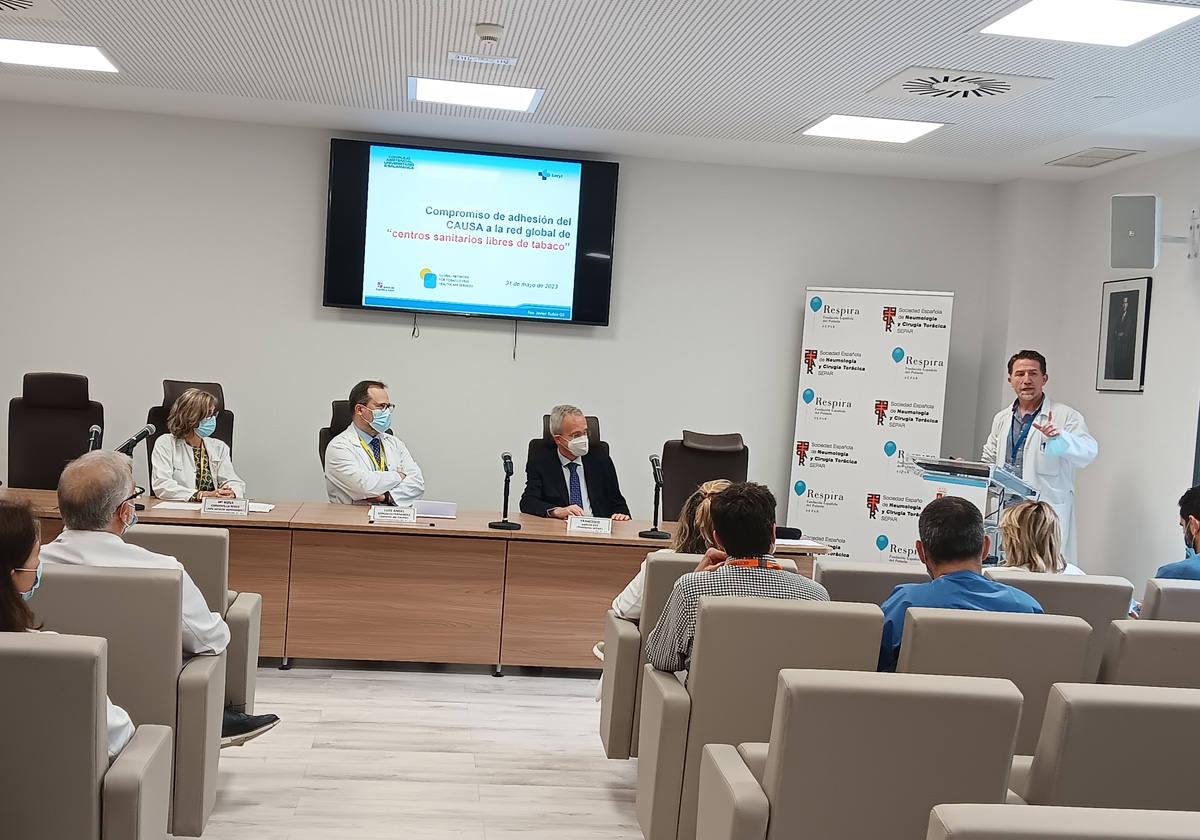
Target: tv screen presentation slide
471 234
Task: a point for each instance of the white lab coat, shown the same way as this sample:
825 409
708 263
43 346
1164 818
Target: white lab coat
351 477
1052 475
173 468
203 631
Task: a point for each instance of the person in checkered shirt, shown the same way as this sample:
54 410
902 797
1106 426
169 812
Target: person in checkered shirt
743 520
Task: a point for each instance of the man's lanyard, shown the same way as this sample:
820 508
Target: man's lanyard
1017 444
381 464
764 562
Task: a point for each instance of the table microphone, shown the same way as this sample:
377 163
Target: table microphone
128 446
506 458
656 470
504 524
94 437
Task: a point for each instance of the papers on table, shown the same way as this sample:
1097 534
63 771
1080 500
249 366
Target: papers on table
255 507
801 543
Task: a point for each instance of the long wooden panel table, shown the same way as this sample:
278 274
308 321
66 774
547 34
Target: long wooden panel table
443 590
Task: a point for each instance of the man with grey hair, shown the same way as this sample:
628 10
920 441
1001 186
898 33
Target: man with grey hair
96 496
565 476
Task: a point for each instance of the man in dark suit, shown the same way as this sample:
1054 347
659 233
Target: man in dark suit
562 479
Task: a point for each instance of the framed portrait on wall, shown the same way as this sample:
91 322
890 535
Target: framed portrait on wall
1124 323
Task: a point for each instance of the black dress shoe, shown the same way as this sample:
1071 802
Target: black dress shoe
237 727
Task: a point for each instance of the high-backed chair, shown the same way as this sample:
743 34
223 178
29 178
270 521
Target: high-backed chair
340 415
854 755
1033 651
1097 599
48 426
694 459
1163 653
204 552
1172 600
55 780
864 583
139 612
740 646
172 390
1004 822
1117 746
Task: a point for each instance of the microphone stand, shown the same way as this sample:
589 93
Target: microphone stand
654 533
504 524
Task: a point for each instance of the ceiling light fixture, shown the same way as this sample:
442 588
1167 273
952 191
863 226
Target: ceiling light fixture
871 128
474 95
1110 23
61 56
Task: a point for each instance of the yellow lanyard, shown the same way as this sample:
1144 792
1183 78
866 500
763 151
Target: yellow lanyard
381 464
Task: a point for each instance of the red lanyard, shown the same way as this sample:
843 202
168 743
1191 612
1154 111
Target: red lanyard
755 563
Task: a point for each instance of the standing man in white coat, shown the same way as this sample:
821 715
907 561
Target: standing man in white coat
363 465
1042 441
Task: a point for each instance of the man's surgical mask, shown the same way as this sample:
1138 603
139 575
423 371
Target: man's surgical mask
578 446
381 419
207 426
132 519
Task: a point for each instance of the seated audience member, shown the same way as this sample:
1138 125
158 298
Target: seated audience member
693 535
743 521
1032 539
952 546
1189 520
363 465
188 464
96 500
20 577
562 479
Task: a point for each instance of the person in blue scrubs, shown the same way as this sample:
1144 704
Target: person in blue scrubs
1189 519
952 546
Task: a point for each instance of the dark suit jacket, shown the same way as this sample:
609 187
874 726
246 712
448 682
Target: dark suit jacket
546 483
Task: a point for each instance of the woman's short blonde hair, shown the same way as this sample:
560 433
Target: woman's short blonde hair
192 406
1031 537
694 533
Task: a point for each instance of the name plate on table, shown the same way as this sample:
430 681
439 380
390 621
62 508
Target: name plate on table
389 515
226 507
588 525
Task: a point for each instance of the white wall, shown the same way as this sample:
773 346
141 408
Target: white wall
1127 499
135 248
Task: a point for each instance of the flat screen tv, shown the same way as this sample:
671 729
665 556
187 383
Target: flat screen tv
485 234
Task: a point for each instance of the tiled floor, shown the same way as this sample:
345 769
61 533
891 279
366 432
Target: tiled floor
378 754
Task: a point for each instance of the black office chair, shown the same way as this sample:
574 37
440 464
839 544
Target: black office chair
697 458
172 390
547 439
48 426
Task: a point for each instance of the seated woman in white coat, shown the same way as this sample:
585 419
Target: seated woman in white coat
189 464
363 464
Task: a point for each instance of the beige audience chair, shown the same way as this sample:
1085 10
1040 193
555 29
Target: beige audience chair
1097 599
1162 653
1004 822
55 779
865 583
1034 651
741 645
625 652
204 552
139 612
861 755
1172 600
1116 746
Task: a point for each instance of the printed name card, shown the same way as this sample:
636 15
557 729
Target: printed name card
588 525
389 515
226 507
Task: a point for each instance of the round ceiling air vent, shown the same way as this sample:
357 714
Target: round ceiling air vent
964 87
15 5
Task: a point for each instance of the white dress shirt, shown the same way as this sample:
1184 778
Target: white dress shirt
352 477
204 631
173 468
587 504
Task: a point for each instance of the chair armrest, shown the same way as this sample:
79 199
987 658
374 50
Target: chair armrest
754 756
136 794
662 746
198 742
1018 775
618 685
733 805
244 618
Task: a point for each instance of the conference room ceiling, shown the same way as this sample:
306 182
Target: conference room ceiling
728 81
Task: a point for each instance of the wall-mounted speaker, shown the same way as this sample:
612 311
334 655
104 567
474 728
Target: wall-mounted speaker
1136 231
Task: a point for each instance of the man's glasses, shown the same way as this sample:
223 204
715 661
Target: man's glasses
138 492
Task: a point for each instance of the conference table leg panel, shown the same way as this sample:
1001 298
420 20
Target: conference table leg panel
260 561
555 598
395 598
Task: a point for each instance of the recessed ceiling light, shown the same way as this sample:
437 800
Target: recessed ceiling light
62 56
1112 23
473 95
871 128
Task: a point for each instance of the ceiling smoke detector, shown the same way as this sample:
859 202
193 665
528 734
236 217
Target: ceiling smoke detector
489 33
933 83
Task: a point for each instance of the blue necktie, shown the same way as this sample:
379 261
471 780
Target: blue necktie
576 492
377 450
